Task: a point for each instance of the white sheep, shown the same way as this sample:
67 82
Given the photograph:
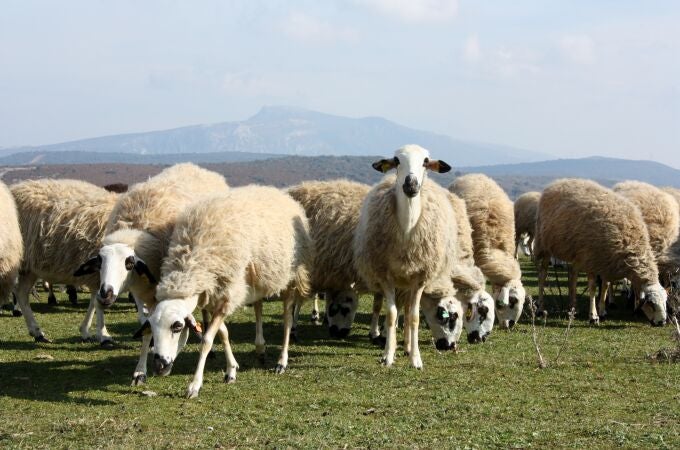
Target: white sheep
60 220
11 246
404 239
227 251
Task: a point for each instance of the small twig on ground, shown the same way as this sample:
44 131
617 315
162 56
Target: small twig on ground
541 362
565 339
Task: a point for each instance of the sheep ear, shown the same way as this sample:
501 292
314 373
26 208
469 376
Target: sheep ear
144 329
437 165
90 266
142 269
385 165
194 326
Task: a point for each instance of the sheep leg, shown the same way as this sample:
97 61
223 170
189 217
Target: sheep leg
23 290
530 246
542 273
105 339
288 304
316 316
205 318
390 328
592 293
573 280
206 346
374 331
139 376
51 298
87 321
407 328
297 306
259 333
232 365
603 300
417 293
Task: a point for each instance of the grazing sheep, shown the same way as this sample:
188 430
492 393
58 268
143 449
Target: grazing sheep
137 236
227 251
601 233
404 239
119 188
60 220
525 208
11 246
670 262
492 219
479 318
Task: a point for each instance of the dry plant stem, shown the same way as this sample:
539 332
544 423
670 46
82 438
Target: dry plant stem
541 362
565 340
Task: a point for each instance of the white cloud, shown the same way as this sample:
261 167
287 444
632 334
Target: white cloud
578 48
306 28
509 62
248 84
415 11
472 51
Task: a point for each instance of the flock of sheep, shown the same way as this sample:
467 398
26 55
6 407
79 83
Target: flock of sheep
184 241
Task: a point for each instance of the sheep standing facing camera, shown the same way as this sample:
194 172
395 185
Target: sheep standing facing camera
492 219
404 239
61 221
525 207
137 236
601 233
227 251
11 246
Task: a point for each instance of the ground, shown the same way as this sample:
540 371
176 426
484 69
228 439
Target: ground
604 391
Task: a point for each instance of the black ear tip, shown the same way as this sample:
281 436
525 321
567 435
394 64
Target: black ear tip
377 166
443 167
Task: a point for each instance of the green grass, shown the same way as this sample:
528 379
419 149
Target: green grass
604 392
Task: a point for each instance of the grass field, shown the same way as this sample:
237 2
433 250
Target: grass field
603 393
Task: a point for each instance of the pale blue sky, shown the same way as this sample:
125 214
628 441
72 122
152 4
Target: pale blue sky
571 78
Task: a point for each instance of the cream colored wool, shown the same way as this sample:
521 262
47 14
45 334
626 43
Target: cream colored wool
526 207
11 243
254 237
492 219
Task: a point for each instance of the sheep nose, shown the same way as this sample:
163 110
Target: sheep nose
474 338
443 344
411 186
161 365
105 295
511 324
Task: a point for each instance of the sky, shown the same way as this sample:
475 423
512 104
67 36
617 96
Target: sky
570 78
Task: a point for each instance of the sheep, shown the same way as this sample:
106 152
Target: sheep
60 220
601 233
226 251
404 239
11 246
332 208
492 219
525 208
469 280
137 236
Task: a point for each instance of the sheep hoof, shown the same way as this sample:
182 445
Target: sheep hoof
42 339
138 380
192 392
229 379
52 300
261 358
316 318
603 318
88 340
387 362
595 321
293 335
17 313
280 368
379 341
211 355
406 353
107 344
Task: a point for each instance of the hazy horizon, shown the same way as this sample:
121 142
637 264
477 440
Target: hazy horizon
571 80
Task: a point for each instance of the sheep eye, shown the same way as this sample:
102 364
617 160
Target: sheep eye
176 327
427 160
396 161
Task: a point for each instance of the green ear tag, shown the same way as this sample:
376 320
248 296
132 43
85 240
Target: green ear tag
445 314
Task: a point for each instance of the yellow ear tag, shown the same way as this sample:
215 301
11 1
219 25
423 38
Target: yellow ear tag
468 313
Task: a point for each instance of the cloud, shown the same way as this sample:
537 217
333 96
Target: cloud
578 48
509 62
306 28
248 84
472 52
415 11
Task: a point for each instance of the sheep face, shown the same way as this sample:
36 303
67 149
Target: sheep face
509 303
479 318
411 162
524 244
341 307
118 260
170 323
654 299
444 316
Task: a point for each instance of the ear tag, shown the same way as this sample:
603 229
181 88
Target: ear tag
445 314
468 313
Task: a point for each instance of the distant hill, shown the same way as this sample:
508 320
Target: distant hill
275 130
285 171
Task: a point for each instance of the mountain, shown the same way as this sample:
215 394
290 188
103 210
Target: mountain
605 170
278 130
